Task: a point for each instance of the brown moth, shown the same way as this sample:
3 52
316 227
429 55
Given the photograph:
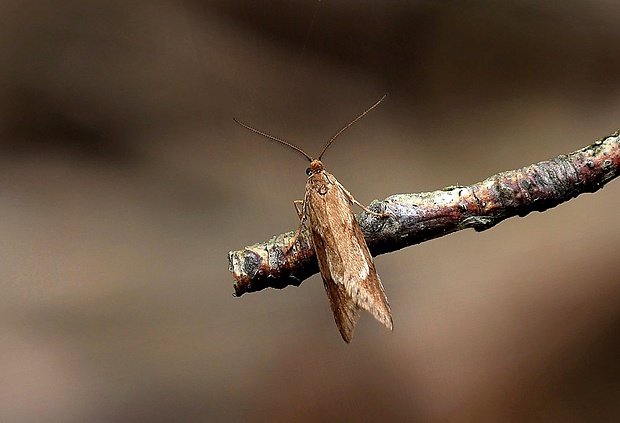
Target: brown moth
346 266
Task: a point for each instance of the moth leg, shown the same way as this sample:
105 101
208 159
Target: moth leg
363 207
301 212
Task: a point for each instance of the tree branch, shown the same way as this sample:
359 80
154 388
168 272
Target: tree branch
416 218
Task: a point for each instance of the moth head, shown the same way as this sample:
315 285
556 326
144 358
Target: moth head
315 167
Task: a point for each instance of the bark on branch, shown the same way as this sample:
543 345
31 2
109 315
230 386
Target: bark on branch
423 216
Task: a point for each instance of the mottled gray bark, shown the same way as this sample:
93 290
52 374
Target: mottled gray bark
423 216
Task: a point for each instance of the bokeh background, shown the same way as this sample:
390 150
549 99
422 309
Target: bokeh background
124 182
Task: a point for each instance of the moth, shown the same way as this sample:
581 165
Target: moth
349 275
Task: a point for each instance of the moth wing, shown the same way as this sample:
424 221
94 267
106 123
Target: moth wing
368 292
348 272
346 312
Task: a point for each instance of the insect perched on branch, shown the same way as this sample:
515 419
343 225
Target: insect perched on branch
349 275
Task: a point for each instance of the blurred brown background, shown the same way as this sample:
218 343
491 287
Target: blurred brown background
124 183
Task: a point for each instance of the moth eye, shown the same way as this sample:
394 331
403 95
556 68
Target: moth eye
308 172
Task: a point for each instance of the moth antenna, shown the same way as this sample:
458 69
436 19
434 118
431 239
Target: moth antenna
271 137
331 140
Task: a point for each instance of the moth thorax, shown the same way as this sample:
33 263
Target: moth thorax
315 167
